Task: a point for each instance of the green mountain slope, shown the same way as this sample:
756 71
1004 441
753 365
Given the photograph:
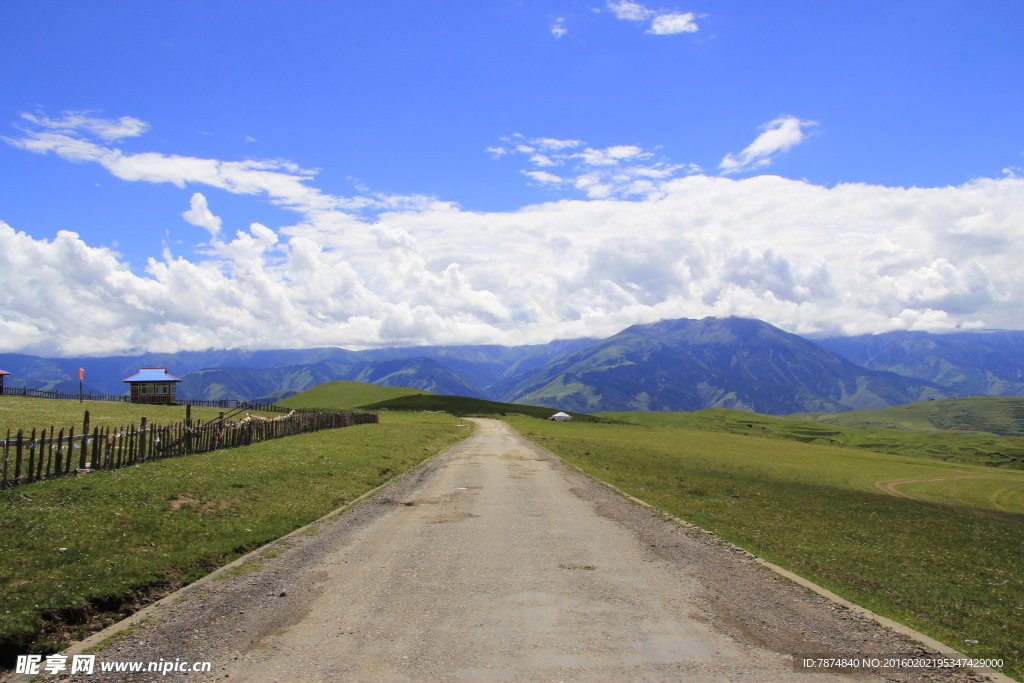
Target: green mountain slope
969 363
1000 415
343 395
714 362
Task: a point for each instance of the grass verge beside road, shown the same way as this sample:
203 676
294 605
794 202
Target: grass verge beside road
972 448
79 552
937 546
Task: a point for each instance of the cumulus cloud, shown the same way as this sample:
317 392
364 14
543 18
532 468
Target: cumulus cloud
630 11
776 137
199 214
662 22
672 23
850 259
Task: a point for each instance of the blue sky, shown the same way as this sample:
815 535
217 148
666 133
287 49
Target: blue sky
363 174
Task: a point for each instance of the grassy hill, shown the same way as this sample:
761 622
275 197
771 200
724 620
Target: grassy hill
1001 415
19 412
959 446
463 406
344 395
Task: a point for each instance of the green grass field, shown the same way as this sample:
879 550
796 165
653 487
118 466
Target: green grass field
1000 415
344 395
936 545
79 550
948 446
18 412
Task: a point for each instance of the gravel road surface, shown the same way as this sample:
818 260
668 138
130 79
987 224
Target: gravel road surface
497 561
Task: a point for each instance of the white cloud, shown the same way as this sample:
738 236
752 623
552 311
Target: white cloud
662 22
199 214
555 145
74 121
544 177
777 137
283 182
672 23
618 170
852 259
558 28
630 11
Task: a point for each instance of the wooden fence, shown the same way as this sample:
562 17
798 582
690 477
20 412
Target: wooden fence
44 454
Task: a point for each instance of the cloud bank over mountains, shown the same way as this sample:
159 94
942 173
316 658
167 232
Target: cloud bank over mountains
641 238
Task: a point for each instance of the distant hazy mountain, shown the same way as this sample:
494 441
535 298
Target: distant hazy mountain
969 363
104 375
242 375
484 366
725 363
671 365
277 383
248 383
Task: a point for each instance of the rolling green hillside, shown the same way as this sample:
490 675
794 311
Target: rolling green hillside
462 406
1001 415
343 395
956 447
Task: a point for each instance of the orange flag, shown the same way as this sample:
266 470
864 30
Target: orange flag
81 374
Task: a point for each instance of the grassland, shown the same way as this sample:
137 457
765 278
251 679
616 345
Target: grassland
936 545
1000 415
956 447
345 395
78 550
19 412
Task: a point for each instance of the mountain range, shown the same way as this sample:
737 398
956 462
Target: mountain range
676 365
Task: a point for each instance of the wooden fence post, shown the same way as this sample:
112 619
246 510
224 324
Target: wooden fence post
58 463
141 457
85 441
17 457
71 450
7 449
32 455
49 453
94 462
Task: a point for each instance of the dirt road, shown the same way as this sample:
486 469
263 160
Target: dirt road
498 562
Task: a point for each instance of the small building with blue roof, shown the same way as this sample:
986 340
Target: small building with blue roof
152 385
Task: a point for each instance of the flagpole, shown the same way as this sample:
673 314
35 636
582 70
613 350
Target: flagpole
81 376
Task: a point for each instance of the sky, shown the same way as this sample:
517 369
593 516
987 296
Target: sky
201 175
